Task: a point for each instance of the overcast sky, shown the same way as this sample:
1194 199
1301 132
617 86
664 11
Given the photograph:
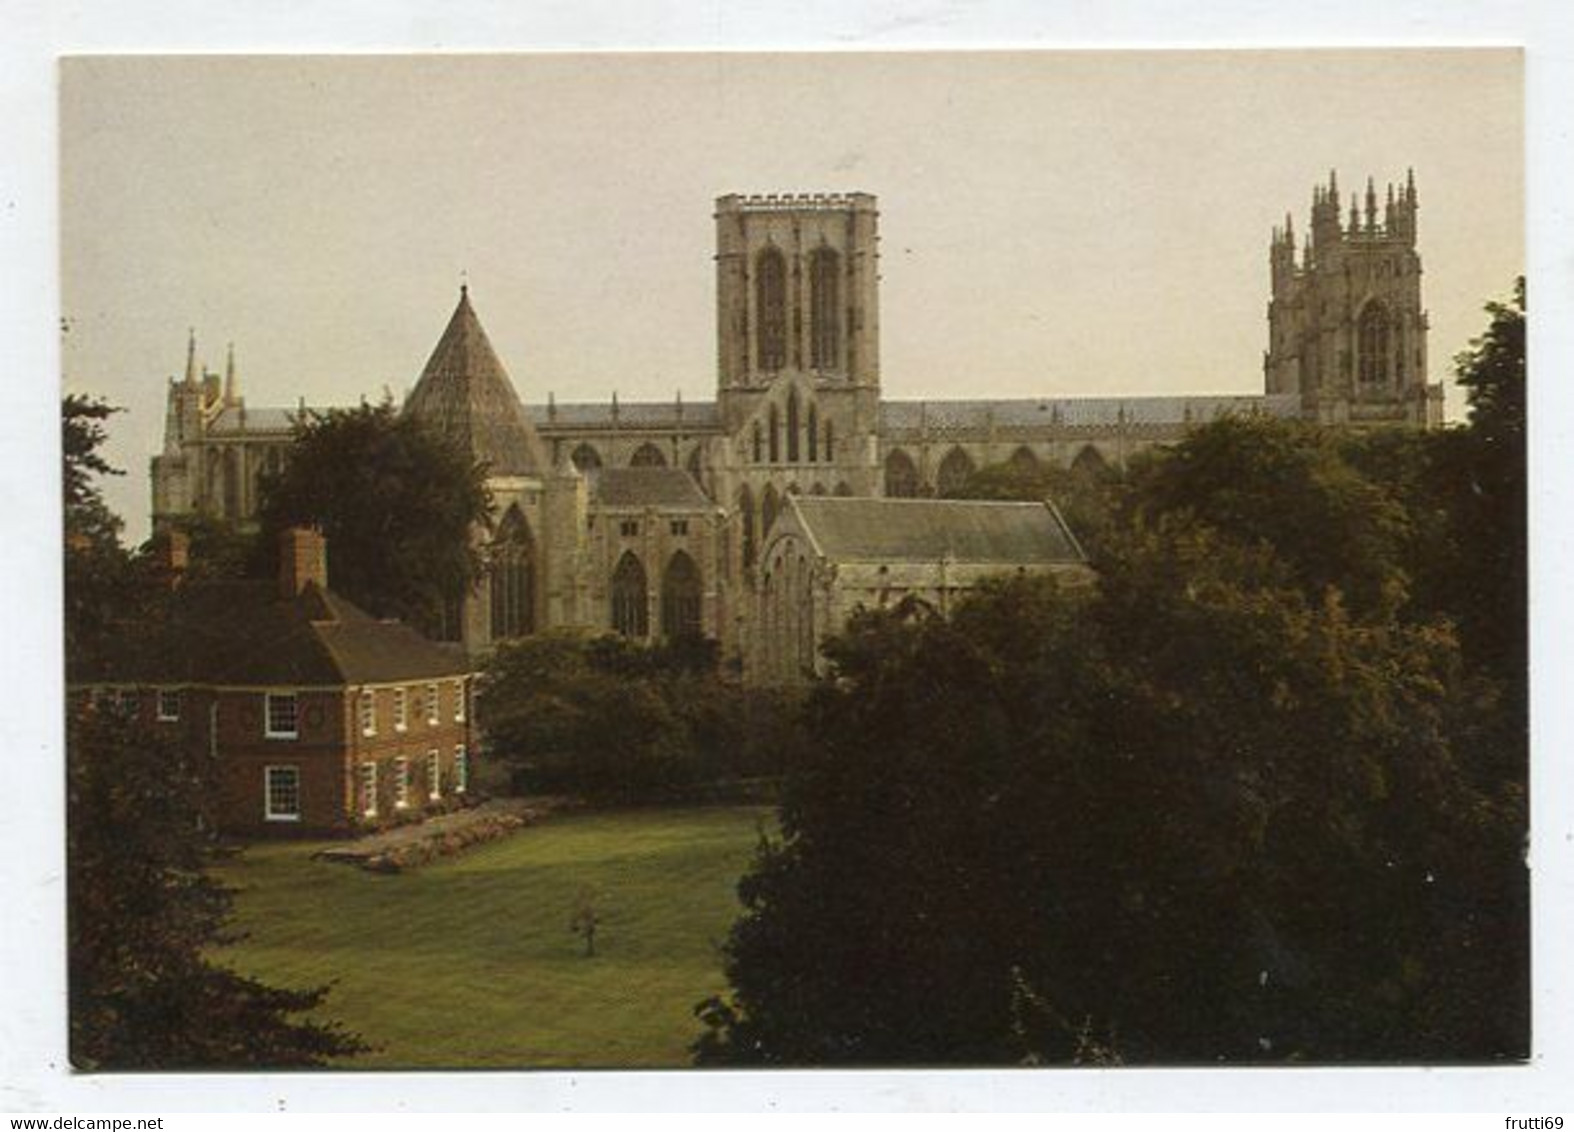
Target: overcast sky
1054 223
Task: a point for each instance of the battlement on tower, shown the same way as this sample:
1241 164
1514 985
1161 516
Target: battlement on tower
795 202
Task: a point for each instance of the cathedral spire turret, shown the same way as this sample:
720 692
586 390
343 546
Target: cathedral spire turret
191 356
231 382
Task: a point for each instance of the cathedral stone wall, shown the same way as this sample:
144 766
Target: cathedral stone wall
597 502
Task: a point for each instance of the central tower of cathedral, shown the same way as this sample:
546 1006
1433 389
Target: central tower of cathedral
797 295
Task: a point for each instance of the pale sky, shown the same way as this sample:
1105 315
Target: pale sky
1056 223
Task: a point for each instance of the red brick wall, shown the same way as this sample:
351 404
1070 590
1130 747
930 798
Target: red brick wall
327 750
414 743
318 751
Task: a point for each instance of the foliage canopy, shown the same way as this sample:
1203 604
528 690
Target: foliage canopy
1258 796
397 503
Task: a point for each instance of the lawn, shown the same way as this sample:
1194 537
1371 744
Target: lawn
471 961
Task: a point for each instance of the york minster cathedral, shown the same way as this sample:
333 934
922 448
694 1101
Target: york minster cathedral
763 518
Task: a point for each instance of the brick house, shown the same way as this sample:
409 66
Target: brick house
319 719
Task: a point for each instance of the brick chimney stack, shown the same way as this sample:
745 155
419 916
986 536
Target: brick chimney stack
303 558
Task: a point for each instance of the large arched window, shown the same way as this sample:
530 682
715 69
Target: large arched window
954 472
1372 344
1089 462
770 298
901 476
746 516
814 434
769 504
792 427
681 594
630 611
586 458
1023 461
513 579
647 455
776 435
824 308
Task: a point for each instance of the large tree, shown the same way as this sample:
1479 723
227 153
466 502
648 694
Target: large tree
617 720
1250 798
1288 486
1194 816
143 914
397 502
97 568
142 910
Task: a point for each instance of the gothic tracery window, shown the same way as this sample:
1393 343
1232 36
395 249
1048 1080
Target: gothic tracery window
1372 333
824 308
1023 460
586 459
681 593
746 512
792 427
647 455
901 476
769 504
1089 461
513 578
776 431
954 472
630 611
814 435
770 285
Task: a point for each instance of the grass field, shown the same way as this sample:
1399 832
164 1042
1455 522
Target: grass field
470 961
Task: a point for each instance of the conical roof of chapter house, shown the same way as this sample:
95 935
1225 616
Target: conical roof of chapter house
465 393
